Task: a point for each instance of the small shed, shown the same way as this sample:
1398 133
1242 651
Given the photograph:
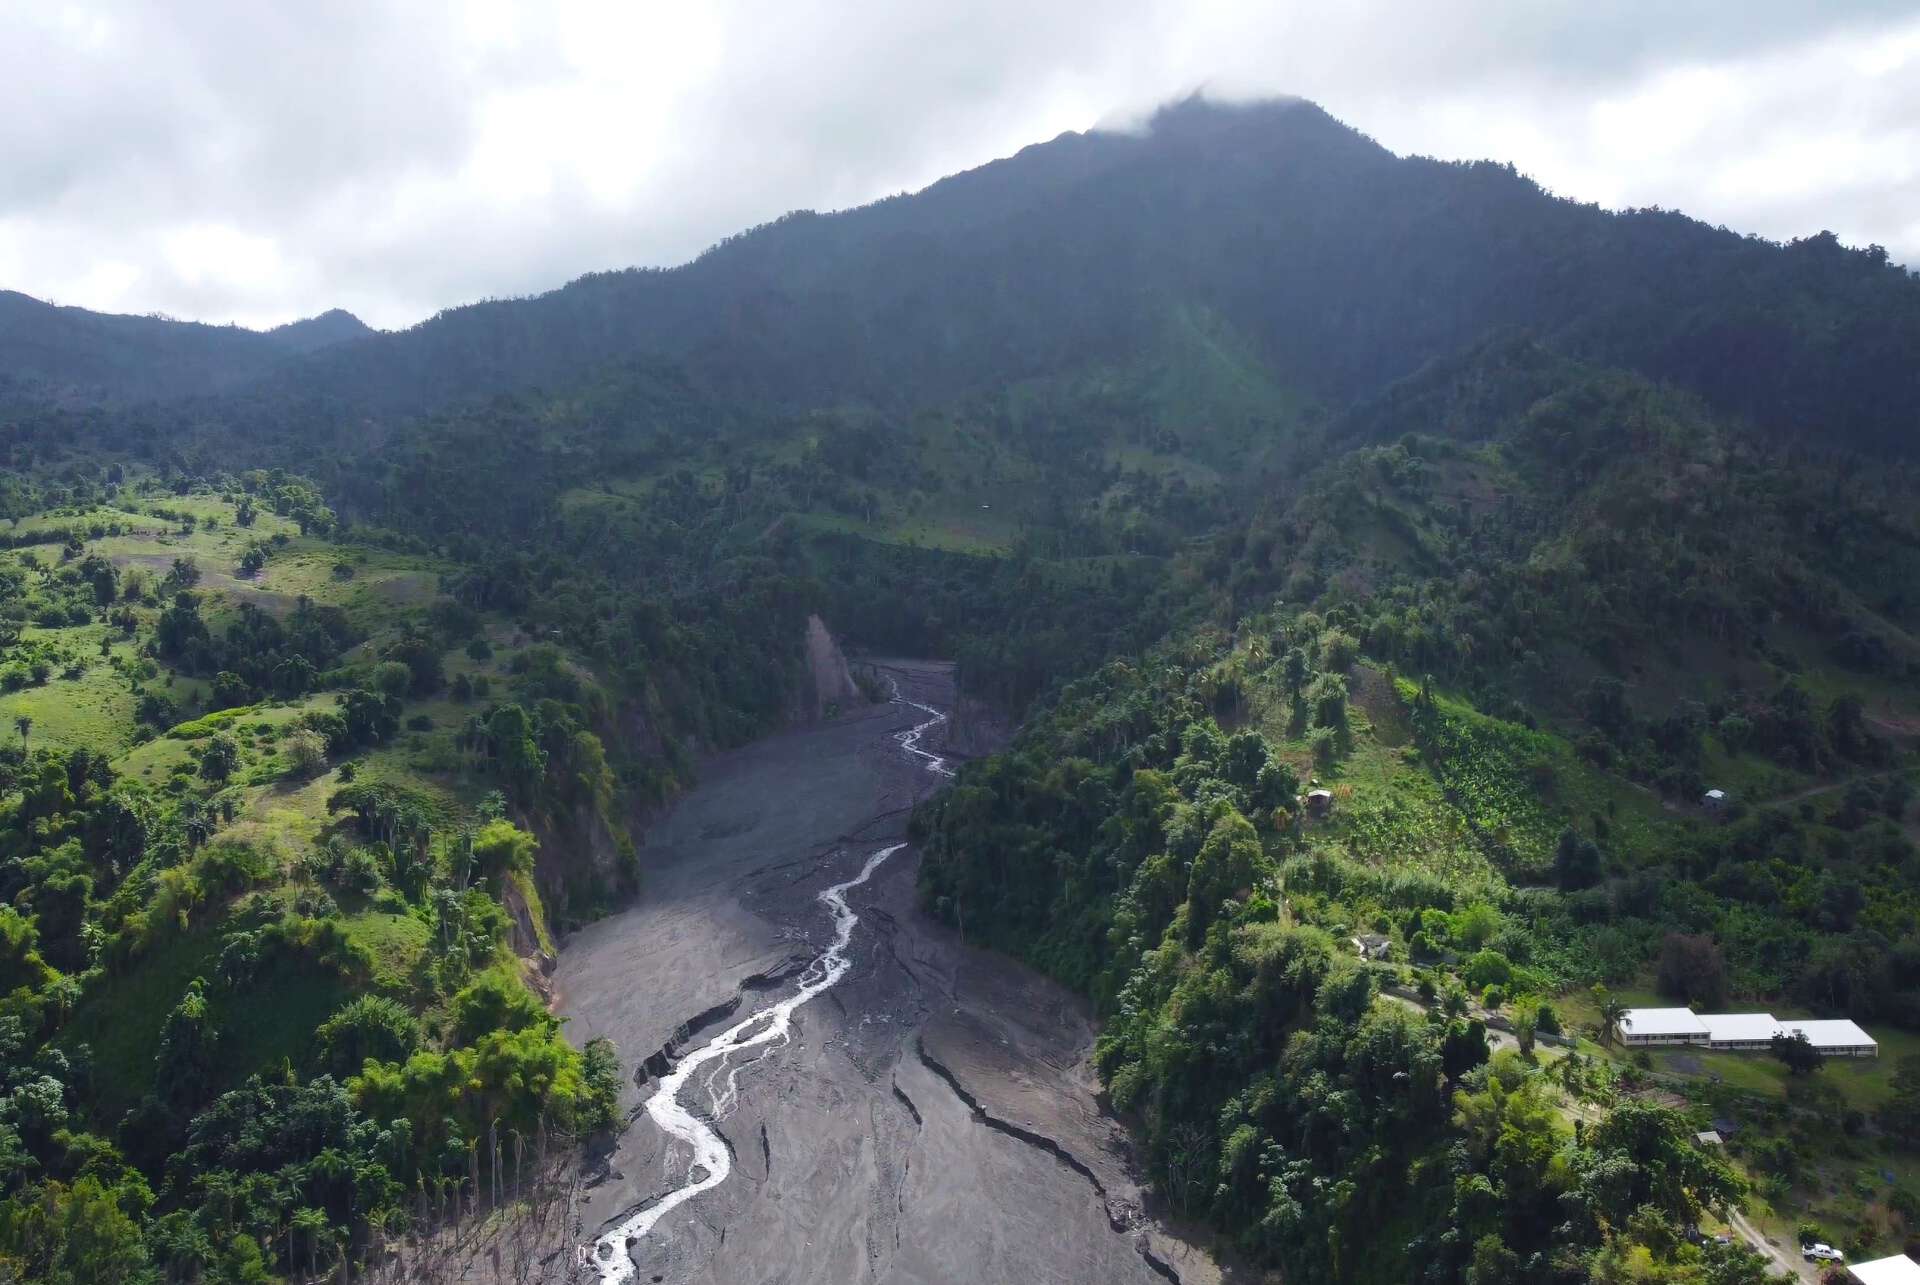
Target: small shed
1319 802
1372 945
1714 799
1708 1138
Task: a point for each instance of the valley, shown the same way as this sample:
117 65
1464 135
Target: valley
1390 620
930 1117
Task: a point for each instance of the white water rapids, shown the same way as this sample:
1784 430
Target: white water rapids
764 1028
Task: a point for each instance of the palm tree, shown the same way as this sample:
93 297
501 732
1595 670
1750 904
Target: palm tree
312 1224
377 1236
1611 1011
24 722
327 1172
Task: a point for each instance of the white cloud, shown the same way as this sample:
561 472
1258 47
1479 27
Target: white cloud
229 160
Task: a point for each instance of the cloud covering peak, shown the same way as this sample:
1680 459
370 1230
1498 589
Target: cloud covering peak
224 161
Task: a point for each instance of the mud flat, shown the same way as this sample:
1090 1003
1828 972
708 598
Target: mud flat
930 1117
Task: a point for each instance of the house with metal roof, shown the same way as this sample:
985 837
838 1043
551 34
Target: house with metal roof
1740 1032
1897 1270
1646 1027
1834 1037
1748 1031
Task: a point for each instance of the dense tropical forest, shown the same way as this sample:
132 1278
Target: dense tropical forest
1515 707
1235 460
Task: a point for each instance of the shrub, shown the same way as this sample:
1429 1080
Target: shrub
1338 651
176 895
496 1002
228 866
315 903
1487 968
362 872
600 1068
219 758
501 847
1325 746
306 752
1475 926
371 1026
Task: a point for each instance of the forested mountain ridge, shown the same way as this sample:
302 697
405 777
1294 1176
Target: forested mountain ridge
1341 265
1231 453
1524 614
71 355
311 334
1558 494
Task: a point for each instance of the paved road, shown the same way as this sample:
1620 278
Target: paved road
1496 1038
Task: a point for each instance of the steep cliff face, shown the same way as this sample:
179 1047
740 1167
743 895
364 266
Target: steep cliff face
530 935
833 685
586 861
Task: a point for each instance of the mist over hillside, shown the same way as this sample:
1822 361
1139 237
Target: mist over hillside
1379 623
1340 265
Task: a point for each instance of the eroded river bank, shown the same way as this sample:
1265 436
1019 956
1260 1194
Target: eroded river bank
888 1105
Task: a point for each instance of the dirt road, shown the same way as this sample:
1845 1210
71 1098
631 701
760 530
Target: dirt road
1784 1263
931 1117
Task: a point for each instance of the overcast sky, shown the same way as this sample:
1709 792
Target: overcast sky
219 160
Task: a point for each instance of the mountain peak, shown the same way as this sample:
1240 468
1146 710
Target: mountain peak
1200 110
1257 126
310 334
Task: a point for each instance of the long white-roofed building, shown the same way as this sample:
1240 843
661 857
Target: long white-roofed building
1834 1037
1740 1030
1897 1270
1644 1027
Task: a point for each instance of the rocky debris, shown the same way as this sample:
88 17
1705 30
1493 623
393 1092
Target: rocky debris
1124 1216
661 1060
883 1178
833 685
907 1102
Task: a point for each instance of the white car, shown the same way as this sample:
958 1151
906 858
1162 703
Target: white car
1821 1253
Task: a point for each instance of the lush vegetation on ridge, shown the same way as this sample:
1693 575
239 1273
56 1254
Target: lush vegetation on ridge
262 760
1639 606
1240 458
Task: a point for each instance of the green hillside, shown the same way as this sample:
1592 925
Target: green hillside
1515 647
1231 460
